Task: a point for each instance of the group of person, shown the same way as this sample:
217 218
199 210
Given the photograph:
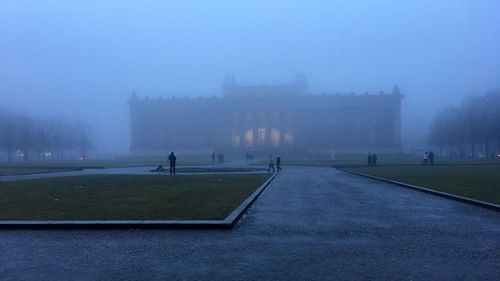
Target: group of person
172 159
428 158
372 159
249 157
271 164
220 157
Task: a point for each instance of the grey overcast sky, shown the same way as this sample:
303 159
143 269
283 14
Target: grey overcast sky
82 59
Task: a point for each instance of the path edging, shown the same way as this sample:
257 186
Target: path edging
475 202
227 223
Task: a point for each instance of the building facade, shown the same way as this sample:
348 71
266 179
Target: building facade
267 117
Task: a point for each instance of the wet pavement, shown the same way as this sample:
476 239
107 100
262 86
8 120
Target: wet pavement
181 170
309 224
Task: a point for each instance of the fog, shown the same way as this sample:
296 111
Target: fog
83 59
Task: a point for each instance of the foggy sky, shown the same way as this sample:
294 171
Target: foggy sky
83 59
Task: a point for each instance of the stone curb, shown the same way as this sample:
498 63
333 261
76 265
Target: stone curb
233 217
475 202
226 223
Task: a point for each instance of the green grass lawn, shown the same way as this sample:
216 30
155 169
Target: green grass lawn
480 182
128 197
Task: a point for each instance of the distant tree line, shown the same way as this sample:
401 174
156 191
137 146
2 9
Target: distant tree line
471 129
25 138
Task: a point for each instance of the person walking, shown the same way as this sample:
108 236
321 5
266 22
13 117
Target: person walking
431 157
278 163
271 164
369 159
172 159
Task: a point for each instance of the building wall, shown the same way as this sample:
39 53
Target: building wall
335 122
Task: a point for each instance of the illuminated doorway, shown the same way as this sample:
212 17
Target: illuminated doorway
275 137
249 138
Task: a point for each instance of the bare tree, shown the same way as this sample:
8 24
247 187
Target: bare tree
8 127
44 138
471 129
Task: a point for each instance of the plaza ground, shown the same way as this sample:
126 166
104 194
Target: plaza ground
477 178
311 223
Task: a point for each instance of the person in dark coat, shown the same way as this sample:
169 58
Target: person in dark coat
426 156
271 164
431 157
278 163
172 159
369 159
374 159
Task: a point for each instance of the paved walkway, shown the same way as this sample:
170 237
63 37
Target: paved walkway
310 224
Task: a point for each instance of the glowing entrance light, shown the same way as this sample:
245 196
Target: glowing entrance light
249 138
236 141
261 134
275 137
288 139
19 153
236 138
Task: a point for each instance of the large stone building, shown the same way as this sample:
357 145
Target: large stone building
267 117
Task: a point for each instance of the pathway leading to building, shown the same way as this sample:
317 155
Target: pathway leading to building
310 224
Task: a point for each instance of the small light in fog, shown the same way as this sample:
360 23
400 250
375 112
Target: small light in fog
19 154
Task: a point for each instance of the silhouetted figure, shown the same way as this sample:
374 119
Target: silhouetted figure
431 157
278 163
369 159
426 156
271 164
220 156
160 168
172 159
374 159
213 158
